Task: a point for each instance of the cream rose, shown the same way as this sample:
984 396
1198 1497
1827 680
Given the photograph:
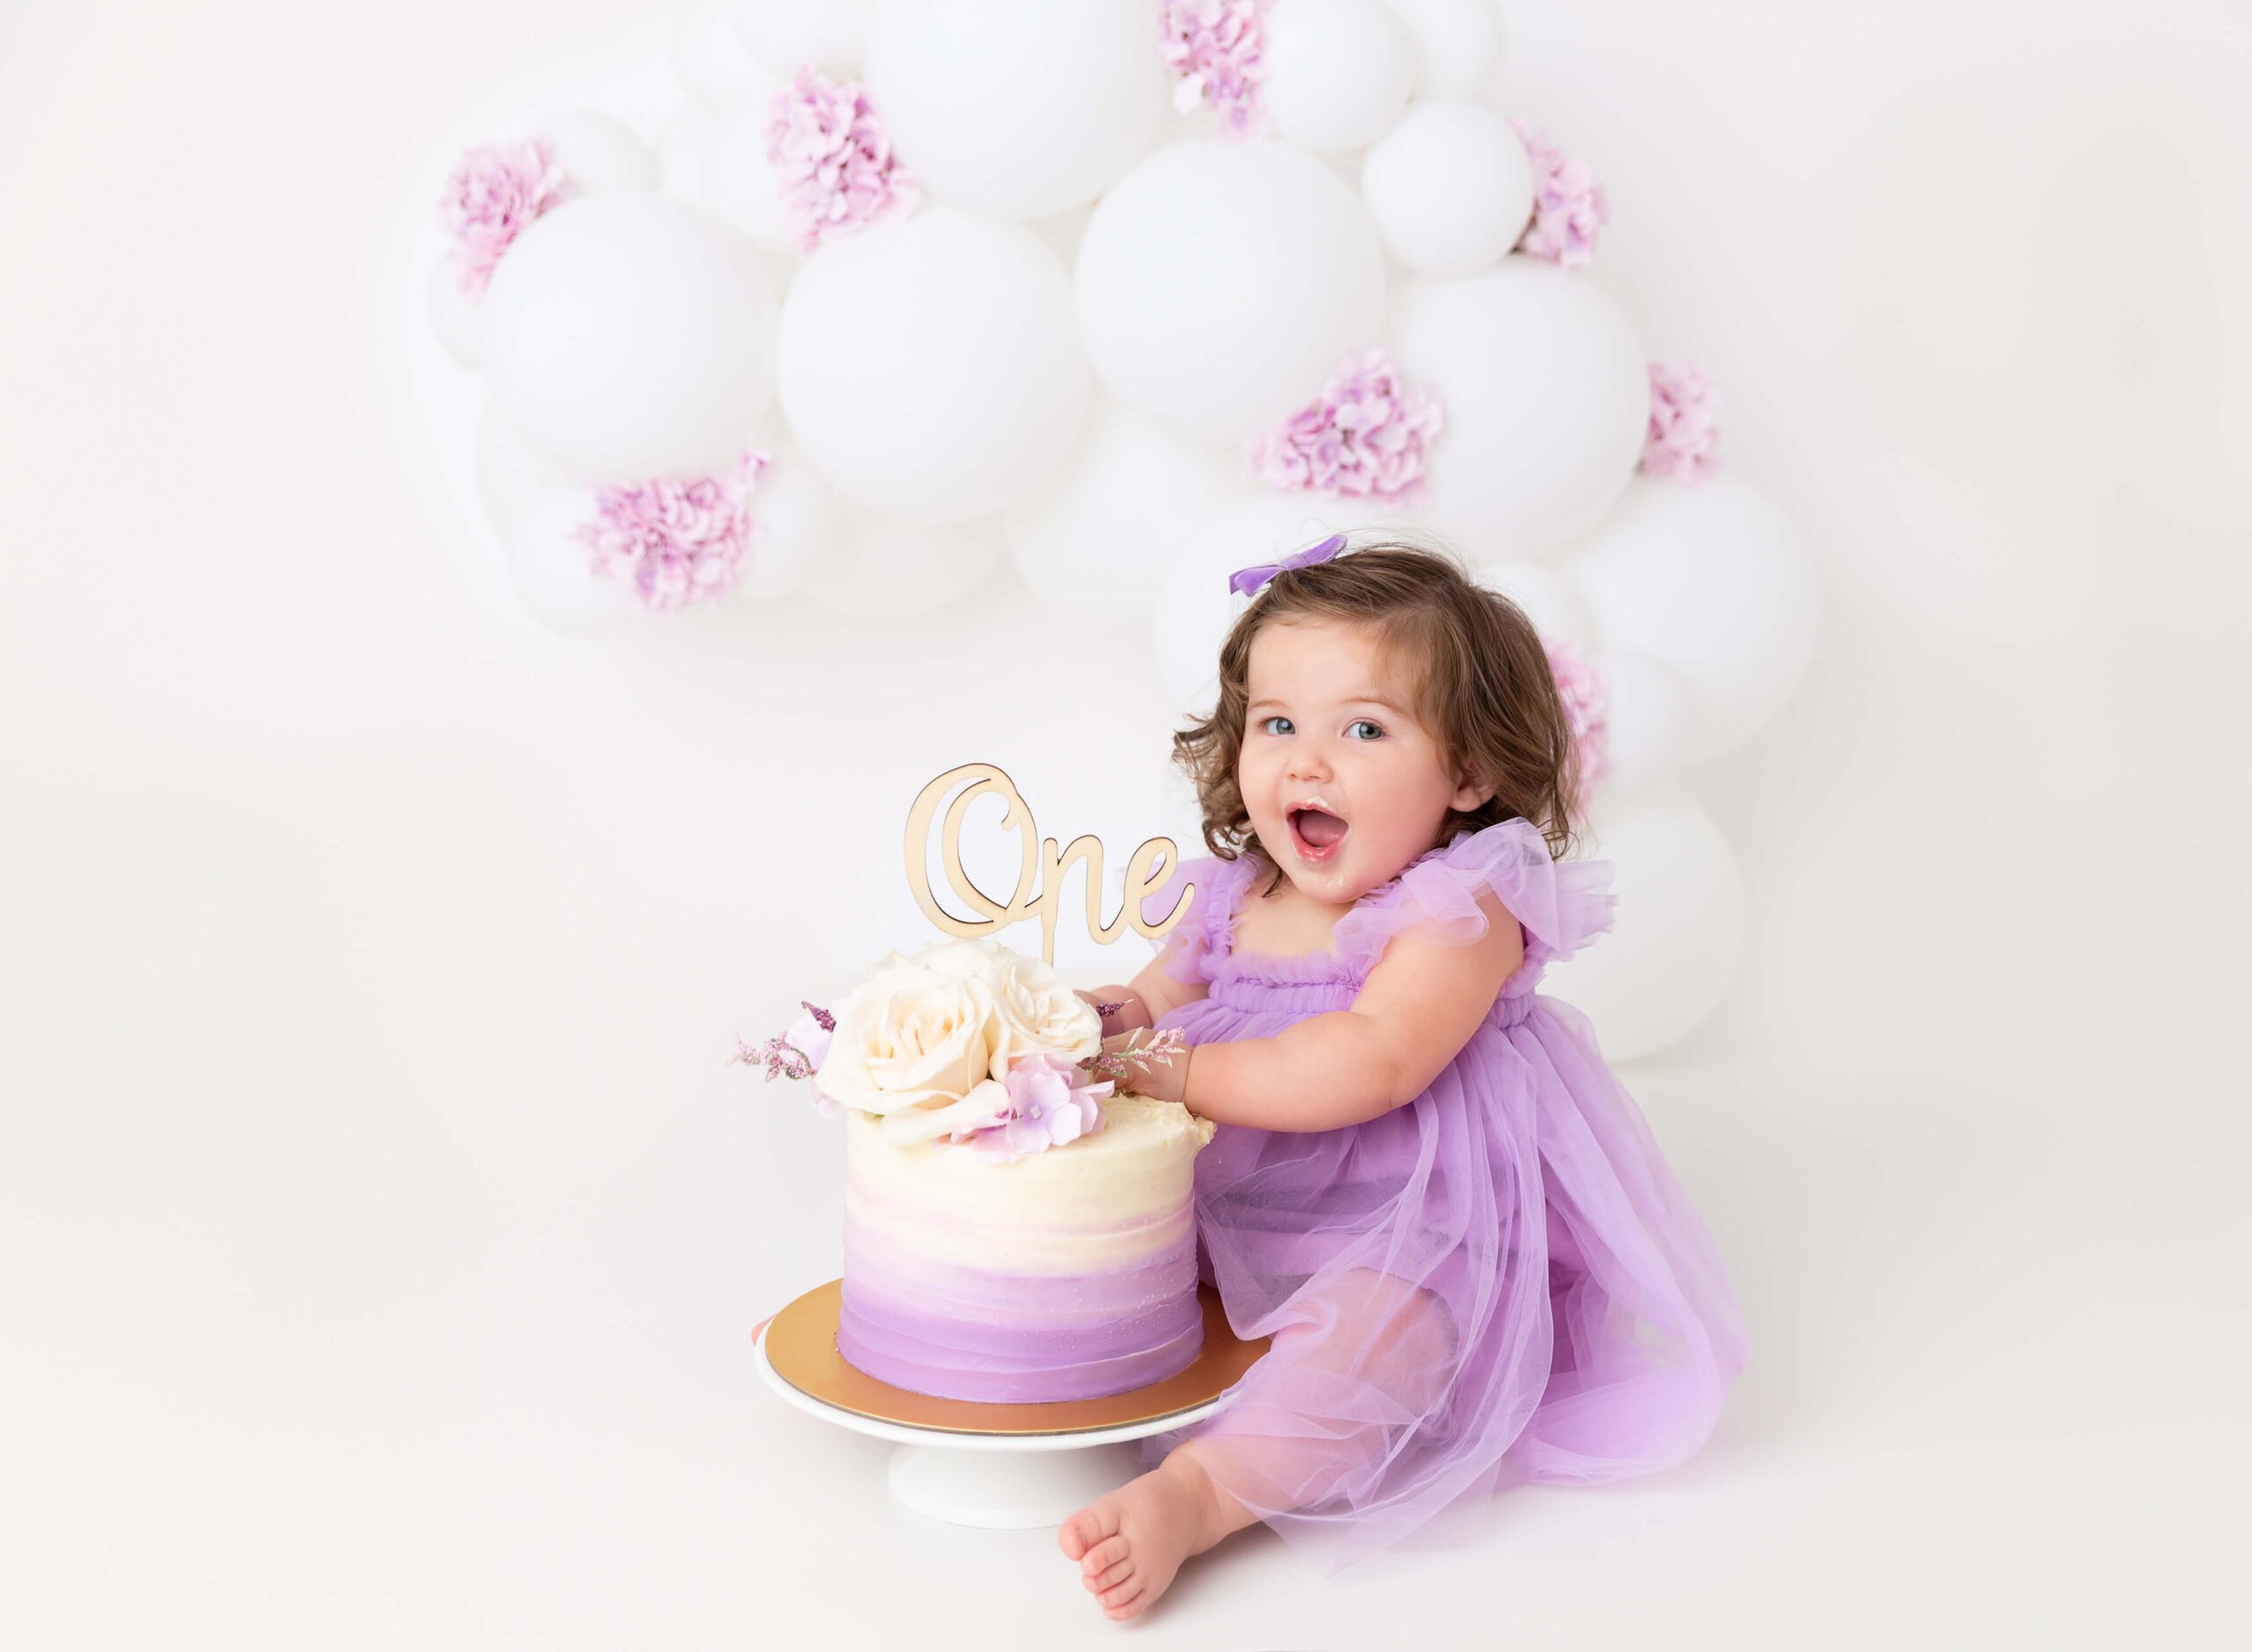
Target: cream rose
1040 1015
910 1034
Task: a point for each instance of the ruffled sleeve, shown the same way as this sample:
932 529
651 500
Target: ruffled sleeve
1186 948
1561 905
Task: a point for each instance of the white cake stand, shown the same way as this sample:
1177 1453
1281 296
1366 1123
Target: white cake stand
1004 1482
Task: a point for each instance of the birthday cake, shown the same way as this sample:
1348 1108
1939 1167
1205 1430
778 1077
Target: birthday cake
1016 1230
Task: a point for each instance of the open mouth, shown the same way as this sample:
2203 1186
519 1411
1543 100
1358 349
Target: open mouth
1315 833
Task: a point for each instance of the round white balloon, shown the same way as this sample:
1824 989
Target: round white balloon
629 335
1647 722
1337 72
1017 108
1673 949
456 316
795 511
598 152
1709 579
1546 400
709 56
829 34
1458 44
511 476
1450 188
881 569
1095 543
554 573
1220 283
930 367
1549 600
738 180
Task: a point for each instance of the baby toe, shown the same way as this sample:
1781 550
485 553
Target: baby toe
1085 1529
1124 1595
1104 1554
1111 1576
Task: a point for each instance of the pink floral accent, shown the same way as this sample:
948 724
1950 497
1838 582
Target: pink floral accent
833 160
796 1054
679 540
1569 206
1218 46
1048 1103
1587 705
495 194
1367 435
1681 436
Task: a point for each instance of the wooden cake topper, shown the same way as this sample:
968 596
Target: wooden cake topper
1041 871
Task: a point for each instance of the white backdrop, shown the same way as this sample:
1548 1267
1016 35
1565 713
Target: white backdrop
381 1225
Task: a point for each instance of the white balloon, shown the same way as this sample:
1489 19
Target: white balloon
629 335
1550 601
1458 44
796 514
1547 399
511 476
1450 188
739 181
930 367
598 152
1673 950
881 569
1709 579
456 316
1221 282
680 153
1647 720
829 34
554 573
709 56
1194 614
1095 543
1017 108
1337 72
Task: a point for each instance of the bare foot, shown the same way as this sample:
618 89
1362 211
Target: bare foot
1129 1544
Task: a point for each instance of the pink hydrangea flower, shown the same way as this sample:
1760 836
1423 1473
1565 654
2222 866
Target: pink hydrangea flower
833 160
1569 206
1217 48
495 194
1681 435
1047 1101
1587 705
1367 435
678 539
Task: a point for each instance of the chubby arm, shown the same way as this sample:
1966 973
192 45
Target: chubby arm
1420 1004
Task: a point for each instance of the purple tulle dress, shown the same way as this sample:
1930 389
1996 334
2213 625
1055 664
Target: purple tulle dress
1501 1281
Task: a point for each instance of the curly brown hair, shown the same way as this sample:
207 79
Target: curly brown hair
1485 688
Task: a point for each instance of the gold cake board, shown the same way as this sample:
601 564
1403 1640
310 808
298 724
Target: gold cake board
998 1466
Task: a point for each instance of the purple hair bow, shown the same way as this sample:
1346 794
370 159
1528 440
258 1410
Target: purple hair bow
1248 580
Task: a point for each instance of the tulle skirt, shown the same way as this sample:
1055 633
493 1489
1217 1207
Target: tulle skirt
1502 1281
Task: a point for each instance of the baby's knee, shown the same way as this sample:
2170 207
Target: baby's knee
1404 1327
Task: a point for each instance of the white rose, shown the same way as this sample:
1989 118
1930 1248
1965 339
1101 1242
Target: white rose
908 1036
978 960
1040 1015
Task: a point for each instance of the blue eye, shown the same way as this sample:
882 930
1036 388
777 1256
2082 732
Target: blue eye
1375 732
1264 730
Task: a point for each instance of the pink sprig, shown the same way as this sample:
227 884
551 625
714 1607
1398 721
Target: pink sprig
495 194
677 539
1682 435
1367 435
1568 207
832 160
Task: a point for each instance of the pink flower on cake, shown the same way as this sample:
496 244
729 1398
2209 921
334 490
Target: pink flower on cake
679 540
1367 435
1587 705
1681 436
495 191
1569 206
1216 47
833 160
796 1054
1042 1101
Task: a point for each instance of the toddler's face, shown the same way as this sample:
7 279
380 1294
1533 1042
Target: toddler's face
1343 785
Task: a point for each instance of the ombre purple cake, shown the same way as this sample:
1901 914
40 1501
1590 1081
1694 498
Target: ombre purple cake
1064 1275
